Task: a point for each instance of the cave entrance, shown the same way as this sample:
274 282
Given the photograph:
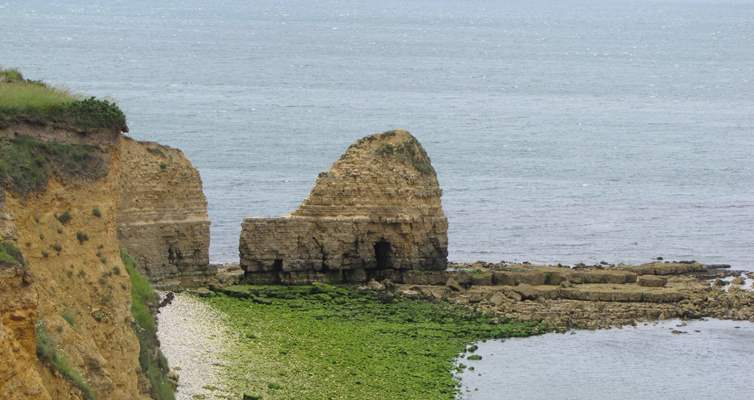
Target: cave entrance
383 252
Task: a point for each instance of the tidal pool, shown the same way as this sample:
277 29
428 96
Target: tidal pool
709 359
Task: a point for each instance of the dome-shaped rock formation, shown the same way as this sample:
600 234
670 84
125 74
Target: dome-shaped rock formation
375 213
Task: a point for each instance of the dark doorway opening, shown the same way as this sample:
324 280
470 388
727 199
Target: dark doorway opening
174 255
383 252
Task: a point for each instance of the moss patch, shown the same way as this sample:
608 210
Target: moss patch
153 363
324 342
26 165
47 351
34 102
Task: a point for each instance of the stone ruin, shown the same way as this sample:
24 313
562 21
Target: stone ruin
375 214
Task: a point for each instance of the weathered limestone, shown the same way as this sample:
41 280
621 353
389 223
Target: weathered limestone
666 268
652 281
162 216
375 213
586 297
7 227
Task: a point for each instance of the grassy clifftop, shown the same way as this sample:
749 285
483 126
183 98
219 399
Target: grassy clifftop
27 163
34 102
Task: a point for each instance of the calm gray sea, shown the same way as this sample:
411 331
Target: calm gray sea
561 131
711 360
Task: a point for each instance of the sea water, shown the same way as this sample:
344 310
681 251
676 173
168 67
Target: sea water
569 131
672 360
561 131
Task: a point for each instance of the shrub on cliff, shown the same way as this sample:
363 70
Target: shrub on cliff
34 102
144 300
26 164
47 351
10 255
10 76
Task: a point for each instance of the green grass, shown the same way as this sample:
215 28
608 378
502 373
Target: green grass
47 351
32 95
26 165
10 255
10 76
34 102
143 300
323 342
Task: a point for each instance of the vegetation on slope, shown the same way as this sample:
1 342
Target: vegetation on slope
34 102
48 352
153 363
10 255
408 152
27 164
325 342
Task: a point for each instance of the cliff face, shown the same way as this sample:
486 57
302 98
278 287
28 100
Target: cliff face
67 207
18 314
376 212
73 290
162 218
75 321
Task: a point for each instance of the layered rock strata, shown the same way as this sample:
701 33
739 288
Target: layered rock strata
588 297
162 214
375 213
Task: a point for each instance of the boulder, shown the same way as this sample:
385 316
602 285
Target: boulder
498 298
374 285
651 281
739 280
453 284
503 278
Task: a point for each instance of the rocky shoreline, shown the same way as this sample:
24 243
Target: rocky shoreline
571 297
194 337
591 297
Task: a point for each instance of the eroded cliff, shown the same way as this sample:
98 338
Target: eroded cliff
162 217
75 321
75 289
375 213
